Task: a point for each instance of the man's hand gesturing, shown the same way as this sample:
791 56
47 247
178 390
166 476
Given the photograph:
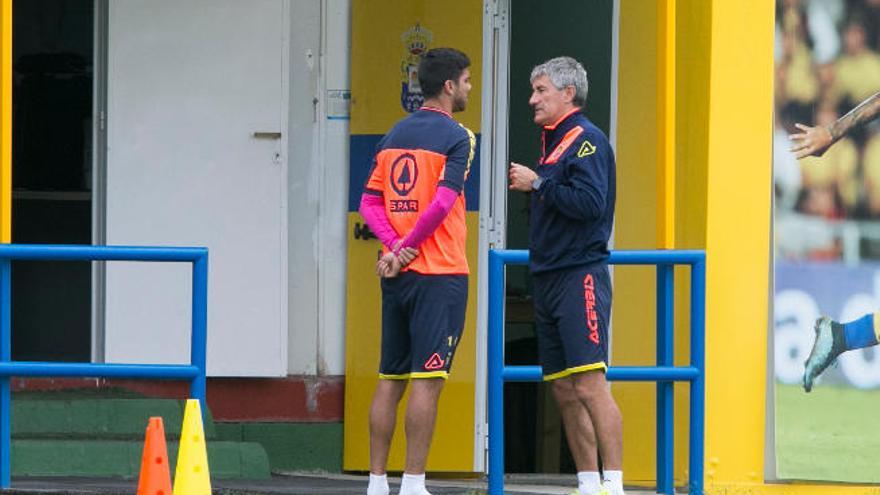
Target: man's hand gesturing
521 177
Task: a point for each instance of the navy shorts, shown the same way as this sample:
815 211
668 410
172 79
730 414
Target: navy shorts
422 321
572 313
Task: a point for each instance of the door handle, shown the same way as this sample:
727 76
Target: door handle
363 232
267 135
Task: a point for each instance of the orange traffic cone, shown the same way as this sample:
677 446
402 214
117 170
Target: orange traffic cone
155 478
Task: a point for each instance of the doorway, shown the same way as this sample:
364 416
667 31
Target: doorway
53 75
537 32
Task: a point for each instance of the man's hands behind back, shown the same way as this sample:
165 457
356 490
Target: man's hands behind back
389 265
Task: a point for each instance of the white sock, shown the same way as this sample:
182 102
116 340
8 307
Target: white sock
614 479
589 482
413 484
378 485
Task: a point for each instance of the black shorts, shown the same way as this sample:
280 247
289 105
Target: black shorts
422 321
572 313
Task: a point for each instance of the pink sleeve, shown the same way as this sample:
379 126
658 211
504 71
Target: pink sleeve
373 210
432 217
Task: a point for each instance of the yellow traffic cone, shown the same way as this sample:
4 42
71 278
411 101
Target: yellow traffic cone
191 476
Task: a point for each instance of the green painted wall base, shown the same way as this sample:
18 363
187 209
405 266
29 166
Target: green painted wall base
292 446
71 434
103 418
122 458
62 435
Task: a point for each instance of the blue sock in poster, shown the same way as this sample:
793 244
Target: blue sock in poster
860 333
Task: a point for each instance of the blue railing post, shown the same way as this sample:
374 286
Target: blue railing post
5 357
698 360
664 372
199 347
495 372
665 399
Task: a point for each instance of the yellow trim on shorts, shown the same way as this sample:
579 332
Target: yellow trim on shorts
577 369
415 375
430 374
383 376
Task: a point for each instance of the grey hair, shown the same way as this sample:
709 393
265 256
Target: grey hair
564 72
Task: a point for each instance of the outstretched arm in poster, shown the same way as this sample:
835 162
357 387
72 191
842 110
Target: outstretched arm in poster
814 141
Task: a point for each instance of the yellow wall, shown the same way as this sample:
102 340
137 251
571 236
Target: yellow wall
723 204
737 237
636 227
637 224
722 198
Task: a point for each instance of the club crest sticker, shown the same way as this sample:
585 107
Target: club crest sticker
415 41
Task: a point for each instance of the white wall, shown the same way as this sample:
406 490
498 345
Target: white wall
333 215
317 187
303 195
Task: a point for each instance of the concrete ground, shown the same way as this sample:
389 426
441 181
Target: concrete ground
302 484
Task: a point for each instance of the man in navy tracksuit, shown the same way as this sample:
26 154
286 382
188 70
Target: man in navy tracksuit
572 211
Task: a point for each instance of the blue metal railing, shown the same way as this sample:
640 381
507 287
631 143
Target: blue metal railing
195 371
665 373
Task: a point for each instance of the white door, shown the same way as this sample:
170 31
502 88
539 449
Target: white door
190 82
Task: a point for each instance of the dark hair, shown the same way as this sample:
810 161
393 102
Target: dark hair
439 65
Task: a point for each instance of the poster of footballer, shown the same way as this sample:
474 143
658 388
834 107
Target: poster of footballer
826 250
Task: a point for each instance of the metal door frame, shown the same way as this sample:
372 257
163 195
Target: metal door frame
99 174
493 205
